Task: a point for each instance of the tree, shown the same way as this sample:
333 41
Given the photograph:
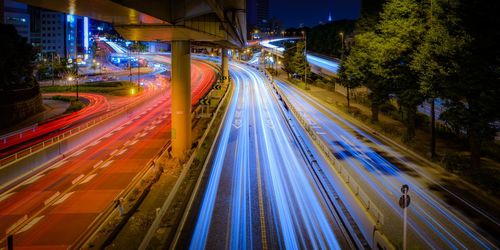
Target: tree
401 28
325 39
370 10
290 50
359 68
139 47
16 64
436 59
472 98
299 63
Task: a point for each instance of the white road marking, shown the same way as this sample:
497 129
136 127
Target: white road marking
106 136
79 152
90 177
114 152
106 164
30 224
17 223
128 123
57 165
51 198
65 197
97 164
95 143
152 127
31 180
77 179
122 151
134 142
5 196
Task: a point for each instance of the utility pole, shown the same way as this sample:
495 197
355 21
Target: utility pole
53 81
138 70
129 66
76 63
404 202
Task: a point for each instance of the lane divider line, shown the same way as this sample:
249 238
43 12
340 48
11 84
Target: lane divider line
18 222
30 224
97 164
5 196
62 199
32 179
57 165
106 164
77 179
51 198
90 177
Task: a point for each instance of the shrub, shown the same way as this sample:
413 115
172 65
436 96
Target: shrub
387 108
454 162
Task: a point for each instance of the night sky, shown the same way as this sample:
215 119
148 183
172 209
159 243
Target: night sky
310 12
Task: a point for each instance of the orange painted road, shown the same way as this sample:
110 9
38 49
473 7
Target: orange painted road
62 201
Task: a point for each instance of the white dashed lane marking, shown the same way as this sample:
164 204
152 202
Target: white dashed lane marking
31 180
31 224
65 197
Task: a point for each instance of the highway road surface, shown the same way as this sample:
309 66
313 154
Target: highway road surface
54 207
381 171
260 193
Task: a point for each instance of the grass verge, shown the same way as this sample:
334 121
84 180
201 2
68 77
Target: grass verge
116 88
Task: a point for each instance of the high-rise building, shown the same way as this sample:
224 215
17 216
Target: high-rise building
257 13
17 14
262 12
52 33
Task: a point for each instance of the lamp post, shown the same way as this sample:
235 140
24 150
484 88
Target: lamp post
138 69
76 63
52 62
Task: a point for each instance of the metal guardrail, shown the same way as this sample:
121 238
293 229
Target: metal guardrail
154 165
18 133
350 182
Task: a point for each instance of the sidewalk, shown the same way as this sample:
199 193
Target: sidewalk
52 108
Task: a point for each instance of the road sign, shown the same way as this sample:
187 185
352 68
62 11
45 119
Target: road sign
405 189
205 101
217 87
404 203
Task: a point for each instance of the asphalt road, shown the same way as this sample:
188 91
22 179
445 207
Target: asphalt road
381 171
260 193
64 199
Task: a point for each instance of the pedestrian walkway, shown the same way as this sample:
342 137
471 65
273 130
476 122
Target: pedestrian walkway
51 109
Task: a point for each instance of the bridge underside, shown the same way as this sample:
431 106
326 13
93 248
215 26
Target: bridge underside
220 22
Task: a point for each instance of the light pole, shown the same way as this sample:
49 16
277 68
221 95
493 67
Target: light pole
138 69
76 78
53 81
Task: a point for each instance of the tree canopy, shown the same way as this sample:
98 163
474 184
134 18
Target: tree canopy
16 63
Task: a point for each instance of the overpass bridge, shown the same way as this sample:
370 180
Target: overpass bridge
220 23
326 67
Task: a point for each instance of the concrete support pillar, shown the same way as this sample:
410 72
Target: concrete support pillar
181 97
224 66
